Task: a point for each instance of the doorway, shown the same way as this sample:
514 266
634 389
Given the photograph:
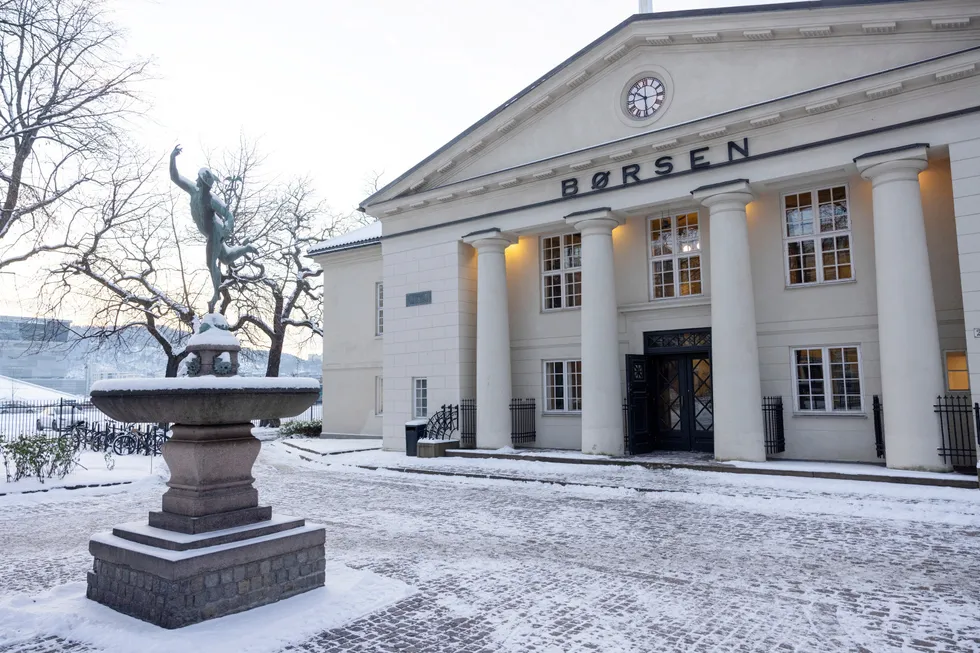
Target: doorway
669 393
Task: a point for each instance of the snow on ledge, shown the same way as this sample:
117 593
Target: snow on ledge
207 383
64 611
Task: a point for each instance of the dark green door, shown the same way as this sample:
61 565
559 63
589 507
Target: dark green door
682 402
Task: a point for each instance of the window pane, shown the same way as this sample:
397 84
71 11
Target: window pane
836 257
663 279
552 291
551 253
688 235
957 377
554 385
573 289
689 275
574 385
809 376
573 251
845 378
661 237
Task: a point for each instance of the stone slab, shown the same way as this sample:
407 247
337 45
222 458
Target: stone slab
431 449
160 538
177 565
206 523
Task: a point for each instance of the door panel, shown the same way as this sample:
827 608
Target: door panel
702 405
671 403
639 434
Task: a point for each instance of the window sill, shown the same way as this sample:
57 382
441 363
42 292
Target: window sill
673 302
835 415
820 284
546 311
561 413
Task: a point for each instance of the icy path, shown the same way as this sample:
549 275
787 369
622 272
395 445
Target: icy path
708 562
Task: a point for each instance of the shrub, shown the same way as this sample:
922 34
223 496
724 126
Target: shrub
39 456
309 429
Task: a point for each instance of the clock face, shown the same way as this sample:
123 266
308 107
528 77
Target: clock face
645 97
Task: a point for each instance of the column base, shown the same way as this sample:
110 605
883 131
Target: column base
175 579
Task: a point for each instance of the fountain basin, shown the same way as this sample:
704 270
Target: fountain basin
204 400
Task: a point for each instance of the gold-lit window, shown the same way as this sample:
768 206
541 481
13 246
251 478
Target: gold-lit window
957 376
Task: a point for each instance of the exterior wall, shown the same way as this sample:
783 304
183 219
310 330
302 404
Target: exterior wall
435 341
351 350
965 177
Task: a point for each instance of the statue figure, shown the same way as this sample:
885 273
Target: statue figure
213 219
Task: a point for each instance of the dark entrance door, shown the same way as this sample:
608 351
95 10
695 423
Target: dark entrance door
669 401
682 404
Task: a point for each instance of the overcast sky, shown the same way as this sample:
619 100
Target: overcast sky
336 89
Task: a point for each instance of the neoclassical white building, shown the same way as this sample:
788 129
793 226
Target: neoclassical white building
697 210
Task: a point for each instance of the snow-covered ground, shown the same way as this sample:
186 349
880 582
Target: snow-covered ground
332 446
624 560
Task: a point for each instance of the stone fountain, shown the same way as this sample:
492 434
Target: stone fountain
211 550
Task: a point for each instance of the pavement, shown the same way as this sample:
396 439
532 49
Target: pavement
622 559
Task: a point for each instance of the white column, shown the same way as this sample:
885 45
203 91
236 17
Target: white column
493 381
602 399
908 335
737 391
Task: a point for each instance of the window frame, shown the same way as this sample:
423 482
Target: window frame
675 257
379 309
567 385
561 272
816 236
416 380
827 380
379 395
966 359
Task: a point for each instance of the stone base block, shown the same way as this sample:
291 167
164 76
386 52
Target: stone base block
436 448
214 522
172 588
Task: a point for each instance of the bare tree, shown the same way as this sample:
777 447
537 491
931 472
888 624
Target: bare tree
130 271
65 92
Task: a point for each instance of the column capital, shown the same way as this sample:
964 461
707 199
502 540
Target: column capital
905 162
492 238
735 192
600 220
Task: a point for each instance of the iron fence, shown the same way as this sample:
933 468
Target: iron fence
522 414
443 423
627 450
957 427
879 418
772 418
467 423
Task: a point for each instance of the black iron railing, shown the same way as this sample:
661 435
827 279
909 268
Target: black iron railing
443 423
467 423
522 414
627 450
957 427
879 418
772 418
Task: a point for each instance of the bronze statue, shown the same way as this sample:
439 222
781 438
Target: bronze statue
213 219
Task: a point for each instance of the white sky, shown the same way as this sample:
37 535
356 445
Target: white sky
337 89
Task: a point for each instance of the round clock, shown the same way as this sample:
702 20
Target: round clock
645 97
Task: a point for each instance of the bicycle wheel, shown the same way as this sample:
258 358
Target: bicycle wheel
124 445
158 439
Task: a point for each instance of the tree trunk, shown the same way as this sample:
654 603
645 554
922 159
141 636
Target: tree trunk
272 368
173 362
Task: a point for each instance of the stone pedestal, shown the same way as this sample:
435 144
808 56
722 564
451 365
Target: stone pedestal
212 550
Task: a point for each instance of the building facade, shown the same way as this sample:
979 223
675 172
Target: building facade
696 211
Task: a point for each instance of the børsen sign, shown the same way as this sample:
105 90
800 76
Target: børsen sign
697 158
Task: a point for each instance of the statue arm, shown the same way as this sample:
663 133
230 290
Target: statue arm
184 183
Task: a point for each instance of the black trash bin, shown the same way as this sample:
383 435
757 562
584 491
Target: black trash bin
414 431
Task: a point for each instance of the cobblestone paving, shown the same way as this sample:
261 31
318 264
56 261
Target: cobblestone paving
711 563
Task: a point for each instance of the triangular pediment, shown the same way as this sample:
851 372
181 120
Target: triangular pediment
708 63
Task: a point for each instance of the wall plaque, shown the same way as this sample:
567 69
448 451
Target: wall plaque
418 298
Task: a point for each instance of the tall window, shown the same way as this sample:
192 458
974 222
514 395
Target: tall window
675 256
379 309
420 398
561 271
818 236
957 375
563 386
828 379
379 395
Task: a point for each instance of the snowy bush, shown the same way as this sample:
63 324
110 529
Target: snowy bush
39 456
309 429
